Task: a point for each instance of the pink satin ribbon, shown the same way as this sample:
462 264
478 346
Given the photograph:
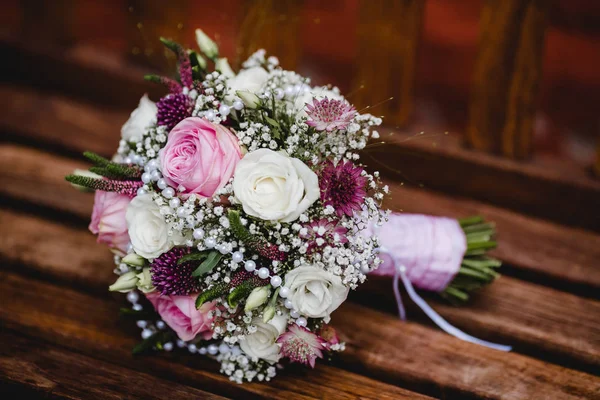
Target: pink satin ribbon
425 252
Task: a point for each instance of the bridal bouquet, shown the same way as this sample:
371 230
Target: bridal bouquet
239 212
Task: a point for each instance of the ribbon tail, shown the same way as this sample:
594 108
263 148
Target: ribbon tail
434 316
396 285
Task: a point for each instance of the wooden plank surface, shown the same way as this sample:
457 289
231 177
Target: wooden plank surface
34 368
88 324
506 77
378 345
388 31
530 245
526 315
438 161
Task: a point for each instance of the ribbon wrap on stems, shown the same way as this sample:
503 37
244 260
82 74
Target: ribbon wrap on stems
424 252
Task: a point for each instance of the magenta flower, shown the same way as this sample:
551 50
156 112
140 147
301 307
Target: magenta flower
324 232
343 187
171 278
329 115
301 345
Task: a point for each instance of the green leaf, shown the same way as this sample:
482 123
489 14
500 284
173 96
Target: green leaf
193 257
207 265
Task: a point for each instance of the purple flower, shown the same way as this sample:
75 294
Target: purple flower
301 345
172 109
329 115
171 278
343 187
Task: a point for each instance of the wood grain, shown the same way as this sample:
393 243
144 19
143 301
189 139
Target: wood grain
536 247
271 25
40 369
528 316
506 77
388 31
89 324
539 189
378 345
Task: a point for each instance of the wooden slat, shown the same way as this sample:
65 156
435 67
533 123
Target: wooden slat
88 324
438 161
35 368
530 245
271 25
83 72
567 256
506 77
389 32
529 316
597 163
378 345
563 195
61 122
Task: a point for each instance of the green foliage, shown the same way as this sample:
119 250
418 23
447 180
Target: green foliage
210 259
210 294
156 340
237 228
241 292
476 270
112 170
85 181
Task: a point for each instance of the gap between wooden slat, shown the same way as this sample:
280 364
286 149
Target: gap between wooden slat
378 345
89 324
531 317
35 368
536 249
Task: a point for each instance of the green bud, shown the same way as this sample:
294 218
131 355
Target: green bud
144 283
206 45
134 259
257 298
250 100
125 283
222 65
268 313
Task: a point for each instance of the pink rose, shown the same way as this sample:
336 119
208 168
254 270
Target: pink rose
200 156
108 220
179 312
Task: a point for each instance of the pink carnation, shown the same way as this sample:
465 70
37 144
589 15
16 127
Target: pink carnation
180 313
301 345
108 220
199 156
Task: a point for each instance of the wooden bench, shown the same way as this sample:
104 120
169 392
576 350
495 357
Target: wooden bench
62 337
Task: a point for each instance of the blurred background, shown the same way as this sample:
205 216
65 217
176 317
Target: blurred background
504 91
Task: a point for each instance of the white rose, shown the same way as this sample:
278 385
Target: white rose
314 292
148 230
141 118
273 186
263 344
249 80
